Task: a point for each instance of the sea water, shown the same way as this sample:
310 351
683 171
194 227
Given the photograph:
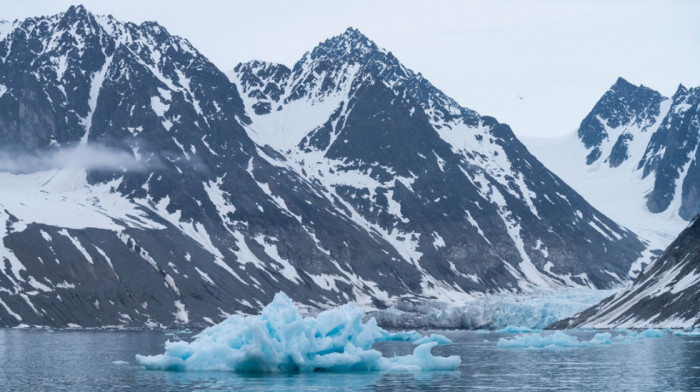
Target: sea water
78 360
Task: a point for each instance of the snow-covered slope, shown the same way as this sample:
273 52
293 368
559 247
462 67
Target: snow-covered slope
454 191
665 295
635 158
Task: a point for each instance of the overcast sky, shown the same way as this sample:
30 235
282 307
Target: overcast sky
559 56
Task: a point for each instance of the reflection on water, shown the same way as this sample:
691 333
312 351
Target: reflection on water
37 360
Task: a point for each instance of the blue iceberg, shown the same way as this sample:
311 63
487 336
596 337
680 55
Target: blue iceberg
560 339
281 340
688 332
557 339
515 329
653 333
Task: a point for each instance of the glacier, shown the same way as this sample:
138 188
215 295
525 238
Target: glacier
280 340
509 312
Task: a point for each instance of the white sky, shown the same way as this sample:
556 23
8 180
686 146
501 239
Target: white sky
559 55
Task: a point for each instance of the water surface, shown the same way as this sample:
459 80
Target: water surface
40 360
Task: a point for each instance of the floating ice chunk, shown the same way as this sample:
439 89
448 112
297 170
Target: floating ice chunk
630 336
560 339
280 340
601 338
691 333
515 329
557 339
439 339
653 333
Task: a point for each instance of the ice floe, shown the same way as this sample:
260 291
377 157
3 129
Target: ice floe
515 329
690 332
281 340
560 339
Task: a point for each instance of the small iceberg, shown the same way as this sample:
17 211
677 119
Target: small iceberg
281 340
515 329
557 339
653 333
688 332
560 339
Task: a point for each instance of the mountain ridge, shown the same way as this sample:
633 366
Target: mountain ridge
230 206
635 158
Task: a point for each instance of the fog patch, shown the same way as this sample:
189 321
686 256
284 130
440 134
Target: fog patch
89 157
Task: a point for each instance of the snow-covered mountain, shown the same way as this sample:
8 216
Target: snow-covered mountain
665 295
635 158
138 188
456 191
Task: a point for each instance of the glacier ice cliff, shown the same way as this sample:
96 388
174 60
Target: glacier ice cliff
534 310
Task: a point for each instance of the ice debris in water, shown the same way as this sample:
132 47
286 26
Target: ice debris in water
688 332
560 339
653 333
557 339
280 340
515 329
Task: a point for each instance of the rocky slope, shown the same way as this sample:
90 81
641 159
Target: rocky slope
665 295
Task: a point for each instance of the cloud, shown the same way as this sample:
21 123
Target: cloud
91 157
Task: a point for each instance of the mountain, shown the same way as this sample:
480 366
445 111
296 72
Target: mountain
635 158
455 190
140 188
665 295
200 227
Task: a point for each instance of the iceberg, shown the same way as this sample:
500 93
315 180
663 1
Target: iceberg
690 332
515 329
560 339
281 340
557 339
653 333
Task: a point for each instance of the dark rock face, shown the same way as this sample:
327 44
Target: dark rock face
626 112
666 294
672 156
397 191
623 105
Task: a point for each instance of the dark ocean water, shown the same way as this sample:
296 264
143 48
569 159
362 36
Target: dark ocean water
41 360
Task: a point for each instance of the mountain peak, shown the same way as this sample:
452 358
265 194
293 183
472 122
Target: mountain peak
351 46
681 90
77 12
80 18
155 28
623 87
354 34
622 82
